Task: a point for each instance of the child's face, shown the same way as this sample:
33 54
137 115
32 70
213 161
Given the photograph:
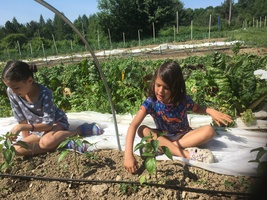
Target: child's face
162 91
21 88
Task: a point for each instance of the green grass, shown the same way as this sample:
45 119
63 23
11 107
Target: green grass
251 36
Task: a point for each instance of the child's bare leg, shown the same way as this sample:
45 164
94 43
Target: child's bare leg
196 137
53 138
145 130
33 146
47 143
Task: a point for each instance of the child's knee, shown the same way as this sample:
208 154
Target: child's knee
210 131
20 151
142 131
45 143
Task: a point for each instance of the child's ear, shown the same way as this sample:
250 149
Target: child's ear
30 80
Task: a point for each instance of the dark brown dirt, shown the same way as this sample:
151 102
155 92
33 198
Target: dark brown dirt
101 175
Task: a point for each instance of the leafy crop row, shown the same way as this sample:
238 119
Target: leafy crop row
223 82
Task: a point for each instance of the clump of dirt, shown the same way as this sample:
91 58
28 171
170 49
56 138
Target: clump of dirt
101 175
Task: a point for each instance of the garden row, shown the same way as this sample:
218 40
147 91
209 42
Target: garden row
224 82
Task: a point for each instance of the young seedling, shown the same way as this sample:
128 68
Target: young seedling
78 142
149 149
8 150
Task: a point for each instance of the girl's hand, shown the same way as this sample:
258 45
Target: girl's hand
130 164
15 132
12 137
219 117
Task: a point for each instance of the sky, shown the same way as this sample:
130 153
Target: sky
26 10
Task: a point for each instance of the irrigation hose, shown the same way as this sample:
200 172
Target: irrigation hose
166 186
65 19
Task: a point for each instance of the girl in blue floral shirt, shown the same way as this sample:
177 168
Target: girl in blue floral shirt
168 104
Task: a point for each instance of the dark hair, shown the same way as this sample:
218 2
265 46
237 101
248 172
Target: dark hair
18 71
171 74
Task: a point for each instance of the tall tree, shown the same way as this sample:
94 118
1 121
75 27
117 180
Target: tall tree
120 16
32 29
247 10
94 31
81 24
48 29
10 27
62 30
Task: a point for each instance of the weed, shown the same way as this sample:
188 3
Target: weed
126 188
201 182
228 183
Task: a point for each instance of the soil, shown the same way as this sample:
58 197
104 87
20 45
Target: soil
101 175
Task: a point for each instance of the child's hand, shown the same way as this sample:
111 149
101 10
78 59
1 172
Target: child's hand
12 137
130 164
219 117
14 132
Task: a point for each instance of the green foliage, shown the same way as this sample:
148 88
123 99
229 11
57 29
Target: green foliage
251 36
236 48
11 40
216 80
262 167
112 14
248 117
5 109
149 149
8 150
127 188
245 85
228 184
226 83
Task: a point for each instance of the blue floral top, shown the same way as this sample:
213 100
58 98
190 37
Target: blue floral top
170 119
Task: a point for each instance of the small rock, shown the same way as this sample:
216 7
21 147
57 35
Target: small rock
118 178
100 189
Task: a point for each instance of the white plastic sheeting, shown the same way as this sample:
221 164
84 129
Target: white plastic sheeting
261 73
160 48
230 147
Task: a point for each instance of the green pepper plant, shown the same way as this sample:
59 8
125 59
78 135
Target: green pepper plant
78 142
262 167
149 149
8 150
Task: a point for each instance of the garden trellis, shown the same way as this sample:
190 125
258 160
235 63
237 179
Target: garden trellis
65 19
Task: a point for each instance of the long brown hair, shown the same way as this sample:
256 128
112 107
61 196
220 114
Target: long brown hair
171 74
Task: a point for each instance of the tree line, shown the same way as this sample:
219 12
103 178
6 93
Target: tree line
120 18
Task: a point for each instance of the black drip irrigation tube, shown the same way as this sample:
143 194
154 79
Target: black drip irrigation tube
166 186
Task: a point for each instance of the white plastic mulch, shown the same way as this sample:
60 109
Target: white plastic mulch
230 147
